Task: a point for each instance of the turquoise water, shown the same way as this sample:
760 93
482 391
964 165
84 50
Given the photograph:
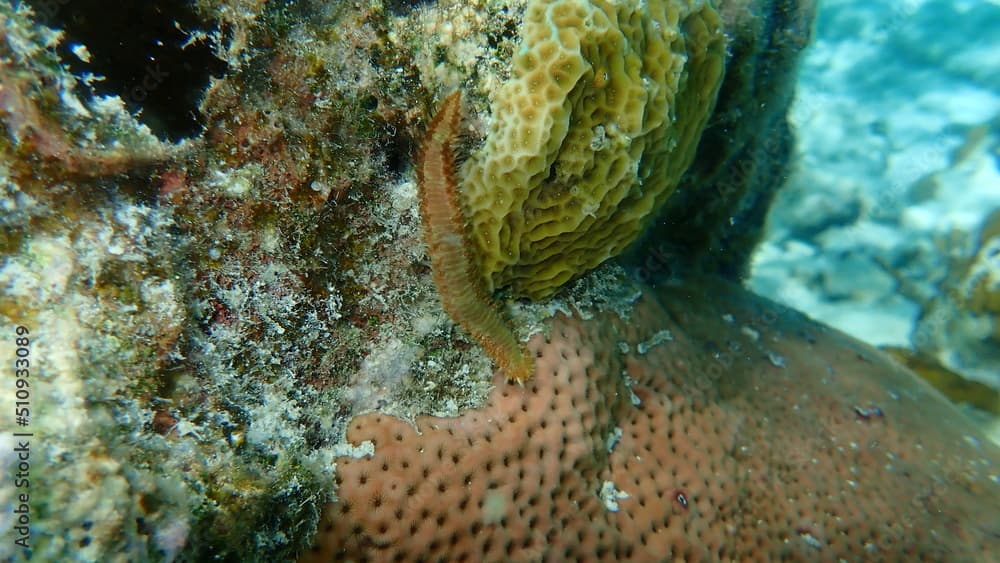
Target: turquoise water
898 122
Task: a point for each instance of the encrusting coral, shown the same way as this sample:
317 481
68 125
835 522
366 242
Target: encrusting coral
592 132
710 425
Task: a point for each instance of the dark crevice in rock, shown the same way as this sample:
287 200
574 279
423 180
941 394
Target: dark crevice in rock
156 56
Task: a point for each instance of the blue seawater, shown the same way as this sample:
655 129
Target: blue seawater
898 122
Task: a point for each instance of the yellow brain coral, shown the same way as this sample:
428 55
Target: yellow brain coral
600 118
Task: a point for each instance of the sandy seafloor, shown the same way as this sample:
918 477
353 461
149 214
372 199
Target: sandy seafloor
897 116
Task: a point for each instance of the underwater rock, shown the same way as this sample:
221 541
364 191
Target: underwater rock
715 218
162 316
156 58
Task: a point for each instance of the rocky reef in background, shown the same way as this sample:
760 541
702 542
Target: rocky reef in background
209 309
888 226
